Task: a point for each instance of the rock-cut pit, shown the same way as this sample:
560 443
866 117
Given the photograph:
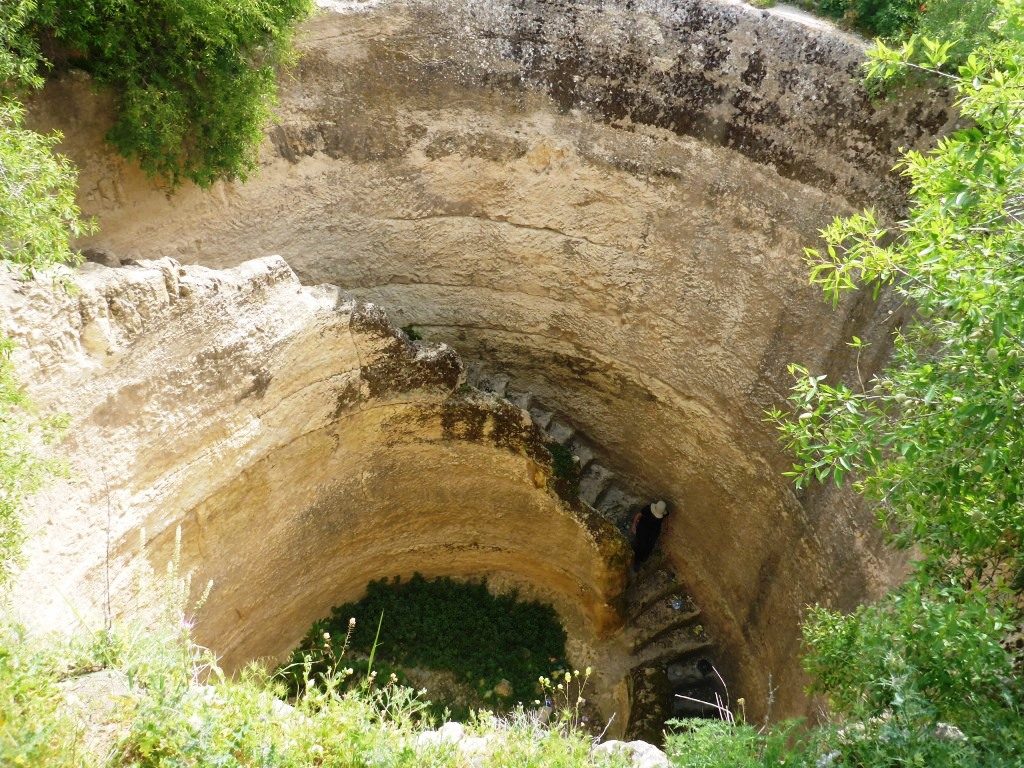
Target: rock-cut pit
593 213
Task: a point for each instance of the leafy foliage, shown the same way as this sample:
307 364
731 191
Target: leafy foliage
962 22
22 470
888 18
38 213
936 441
720 744
32 732
965 26
19 51
447 625
927 654
713 744
195 79
182 711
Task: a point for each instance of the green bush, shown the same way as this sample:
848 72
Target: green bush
20 58
967 25
965 22
713 744
886 18
444 624
719 744
195 80
926 654
38 213
32 732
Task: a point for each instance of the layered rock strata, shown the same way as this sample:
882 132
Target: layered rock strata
608 202
302 444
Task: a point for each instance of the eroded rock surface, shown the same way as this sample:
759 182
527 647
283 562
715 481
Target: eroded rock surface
303 445
604 202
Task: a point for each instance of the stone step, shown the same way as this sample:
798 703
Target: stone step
618 505
651 698
676 645
593 482
561 431
653 583
695 671
598 486
521 399
541 416
493 382
661 619
582 450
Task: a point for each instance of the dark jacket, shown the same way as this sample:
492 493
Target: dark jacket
646 528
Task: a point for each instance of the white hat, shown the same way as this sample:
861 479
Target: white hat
658 509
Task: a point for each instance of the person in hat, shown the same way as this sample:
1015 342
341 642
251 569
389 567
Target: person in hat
645 529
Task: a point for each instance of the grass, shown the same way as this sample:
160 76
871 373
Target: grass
440 624
184 712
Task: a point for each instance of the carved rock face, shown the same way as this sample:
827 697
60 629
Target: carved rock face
303 445
606 204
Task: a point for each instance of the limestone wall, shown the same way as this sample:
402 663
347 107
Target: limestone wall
303 446
607 201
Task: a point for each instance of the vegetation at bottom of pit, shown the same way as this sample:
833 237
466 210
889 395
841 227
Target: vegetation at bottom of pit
162 701
440 624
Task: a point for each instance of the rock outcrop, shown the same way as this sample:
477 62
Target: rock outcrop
303 445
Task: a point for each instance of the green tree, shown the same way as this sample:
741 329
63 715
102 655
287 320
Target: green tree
964 23
38 213
937 440
195 80
19 50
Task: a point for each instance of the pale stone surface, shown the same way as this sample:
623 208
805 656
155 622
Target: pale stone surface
303 445
97 702
449 733
623 239
640 753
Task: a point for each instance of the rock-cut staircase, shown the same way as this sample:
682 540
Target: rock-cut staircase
663 631
599 487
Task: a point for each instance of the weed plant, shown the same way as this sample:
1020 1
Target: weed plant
442 624
565 467
182 711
